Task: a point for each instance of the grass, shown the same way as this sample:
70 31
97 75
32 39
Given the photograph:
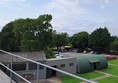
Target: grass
108 80
90 75
111 70
68 79
114 62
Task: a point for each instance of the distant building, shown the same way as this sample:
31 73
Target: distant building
88 63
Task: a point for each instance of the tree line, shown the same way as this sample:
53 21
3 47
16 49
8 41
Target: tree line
38 34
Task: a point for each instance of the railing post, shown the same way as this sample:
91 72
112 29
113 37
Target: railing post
37 73
10 71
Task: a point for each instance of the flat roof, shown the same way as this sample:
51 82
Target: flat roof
36 56
52 59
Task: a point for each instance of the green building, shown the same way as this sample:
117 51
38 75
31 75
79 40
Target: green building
88 63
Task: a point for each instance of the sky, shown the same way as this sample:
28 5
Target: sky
71 16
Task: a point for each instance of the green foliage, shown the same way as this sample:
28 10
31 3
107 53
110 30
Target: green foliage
29 45
44 31
80 40
114 46
37 34
49 53
27 34
99 39
60 39
7 38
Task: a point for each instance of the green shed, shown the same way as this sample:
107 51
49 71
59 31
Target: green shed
88 63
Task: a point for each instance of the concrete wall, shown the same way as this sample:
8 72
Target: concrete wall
59 62
33 73
42 74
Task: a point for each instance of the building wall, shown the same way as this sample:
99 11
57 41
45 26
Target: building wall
32 73
83 66
60 62
103 62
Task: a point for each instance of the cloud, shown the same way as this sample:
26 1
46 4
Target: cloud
10 9
68 15
64 12
66 8
2 23
6 2
78 15
104 3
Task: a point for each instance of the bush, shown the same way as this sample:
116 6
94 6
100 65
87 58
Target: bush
49 53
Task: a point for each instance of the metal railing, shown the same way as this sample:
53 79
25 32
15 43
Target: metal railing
47 66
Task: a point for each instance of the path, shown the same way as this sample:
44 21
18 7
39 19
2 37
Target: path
55 80
97 78
106 73
113 64
50 80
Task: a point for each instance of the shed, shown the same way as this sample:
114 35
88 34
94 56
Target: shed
88 63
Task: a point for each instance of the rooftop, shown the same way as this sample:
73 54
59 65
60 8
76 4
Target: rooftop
36 56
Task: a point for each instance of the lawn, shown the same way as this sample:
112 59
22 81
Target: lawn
114 62
90 75
108 80
68 79
111 70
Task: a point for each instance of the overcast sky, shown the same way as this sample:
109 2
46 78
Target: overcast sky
70 16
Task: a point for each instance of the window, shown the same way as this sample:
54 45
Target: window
33 66
41 67
18 67
71 64
62 65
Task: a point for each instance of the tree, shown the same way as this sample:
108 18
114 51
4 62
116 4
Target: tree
34 31
99 39
114 46
27 34
80 40
7 41
44 30
60 39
